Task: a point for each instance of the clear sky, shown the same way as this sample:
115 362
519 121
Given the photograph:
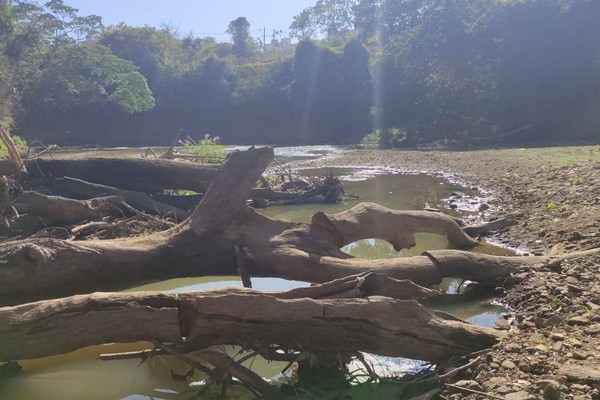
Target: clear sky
202 17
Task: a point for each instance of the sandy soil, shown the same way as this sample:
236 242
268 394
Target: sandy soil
553 348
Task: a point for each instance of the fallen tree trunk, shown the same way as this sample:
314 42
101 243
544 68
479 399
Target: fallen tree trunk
81 189
136 174
242 317
61 210
484 228
204 245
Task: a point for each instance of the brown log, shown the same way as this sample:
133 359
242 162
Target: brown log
484 228
38 269
243 317
137 174
81 189
65 211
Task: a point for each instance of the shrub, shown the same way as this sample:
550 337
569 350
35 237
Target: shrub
209 149
387 138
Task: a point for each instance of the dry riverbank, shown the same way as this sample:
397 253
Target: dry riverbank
553 350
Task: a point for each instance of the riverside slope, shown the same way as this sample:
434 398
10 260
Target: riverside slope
553 349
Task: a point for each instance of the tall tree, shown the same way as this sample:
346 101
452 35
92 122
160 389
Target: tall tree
239 29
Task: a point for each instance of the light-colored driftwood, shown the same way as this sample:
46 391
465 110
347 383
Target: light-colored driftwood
204 245
13 152
66 211
237 316
81 189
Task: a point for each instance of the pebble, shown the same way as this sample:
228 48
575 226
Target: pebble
521 395
507 364
552 392
578 321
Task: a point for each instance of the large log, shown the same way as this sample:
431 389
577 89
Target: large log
204 245
137 174
81 189
240 316
65 211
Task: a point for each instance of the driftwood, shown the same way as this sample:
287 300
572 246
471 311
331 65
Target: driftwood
61 210
13 152
81 189
136 174
237 316
203 245
484 228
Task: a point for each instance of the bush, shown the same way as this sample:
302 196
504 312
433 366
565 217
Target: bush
388 138
209 149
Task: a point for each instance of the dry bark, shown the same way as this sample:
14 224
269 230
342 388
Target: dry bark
204 244
61 210
137 174
81 189
237 316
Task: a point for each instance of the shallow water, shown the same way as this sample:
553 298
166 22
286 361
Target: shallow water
78 376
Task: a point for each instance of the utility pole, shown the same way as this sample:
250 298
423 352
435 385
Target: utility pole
264 40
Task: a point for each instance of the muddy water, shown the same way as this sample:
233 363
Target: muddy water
78 376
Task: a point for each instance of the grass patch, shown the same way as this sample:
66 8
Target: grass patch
208 150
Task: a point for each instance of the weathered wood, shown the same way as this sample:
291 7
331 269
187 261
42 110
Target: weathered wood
136 174
223 363
243 317
13 152
61 210
203 245
489 226
81 189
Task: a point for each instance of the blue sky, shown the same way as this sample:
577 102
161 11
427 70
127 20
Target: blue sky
202 17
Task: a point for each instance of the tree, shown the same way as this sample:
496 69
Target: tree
327 17
239 31
76 75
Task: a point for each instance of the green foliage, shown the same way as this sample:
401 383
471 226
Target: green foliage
19 142
239 31
387 138
208 149
326 17
442 69
90 74
548 207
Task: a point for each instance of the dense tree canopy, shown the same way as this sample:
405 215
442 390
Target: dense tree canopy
432 69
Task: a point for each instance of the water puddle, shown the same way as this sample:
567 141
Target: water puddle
78 375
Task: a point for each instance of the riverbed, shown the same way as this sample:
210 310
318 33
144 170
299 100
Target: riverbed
78 375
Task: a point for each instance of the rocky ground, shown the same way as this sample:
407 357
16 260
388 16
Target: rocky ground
553 347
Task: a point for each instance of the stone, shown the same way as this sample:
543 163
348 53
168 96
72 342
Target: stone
554 320
575 343
552 391
502 324
588 373
507 364
593 330
494 382
469 384
521 395
557 336
579 355
578 321
557 346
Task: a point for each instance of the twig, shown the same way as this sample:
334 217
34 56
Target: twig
450 374
289 174
182 357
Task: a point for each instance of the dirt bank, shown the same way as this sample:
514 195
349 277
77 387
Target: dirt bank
553 350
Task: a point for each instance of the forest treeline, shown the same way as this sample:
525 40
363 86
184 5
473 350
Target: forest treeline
428 70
